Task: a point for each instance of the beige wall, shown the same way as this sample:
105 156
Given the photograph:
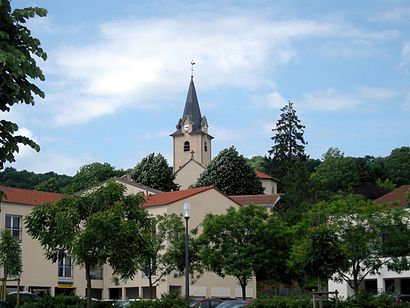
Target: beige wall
270 186
39 272
188 175
197 142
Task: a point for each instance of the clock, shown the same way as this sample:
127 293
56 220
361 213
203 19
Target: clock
205 129
186 127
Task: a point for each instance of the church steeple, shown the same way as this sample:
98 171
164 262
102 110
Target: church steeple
191 139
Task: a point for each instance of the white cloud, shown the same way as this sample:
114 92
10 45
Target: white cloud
378 94
328 100
133 61
396 14
226 134
275 100
24 150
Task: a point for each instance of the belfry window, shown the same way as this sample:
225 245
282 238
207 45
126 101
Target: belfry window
205 147
187 146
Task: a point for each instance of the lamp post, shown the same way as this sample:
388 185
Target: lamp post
187 209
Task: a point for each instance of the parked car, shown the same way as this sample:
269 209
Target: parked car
235 303
24 297
402 298
204 302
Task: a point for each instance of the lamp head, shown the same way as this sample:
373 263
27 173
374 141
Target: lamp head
187 210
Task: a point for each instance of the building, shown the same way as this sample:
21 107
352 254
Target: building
42 276
386 280
192 144
192 153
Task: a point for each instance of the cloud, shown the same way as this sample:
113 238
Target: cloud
133 62
397 14
24 150
226 134
332 99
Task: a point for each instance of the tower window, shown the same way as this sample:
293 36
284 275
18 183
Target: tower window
206 147
187 146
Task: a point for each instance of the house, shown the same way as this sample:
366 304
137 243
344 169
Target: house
269 184
385 280
42 276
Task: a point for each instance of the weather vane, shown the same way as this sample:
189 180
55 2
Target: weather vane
192 68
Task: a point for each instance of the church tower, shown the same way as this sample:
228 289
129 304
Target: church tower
191 140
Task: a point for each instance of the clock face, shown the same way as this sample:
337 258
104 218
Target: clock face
186 127
205 129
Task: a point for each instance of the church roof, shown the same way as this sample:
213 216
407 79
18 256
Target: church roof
191 110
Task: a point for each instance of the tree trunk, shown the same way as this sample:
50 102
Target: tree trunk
243 287
319 289
88 278
151 293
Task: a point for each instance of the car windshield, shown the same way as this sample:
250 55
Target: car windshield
232 304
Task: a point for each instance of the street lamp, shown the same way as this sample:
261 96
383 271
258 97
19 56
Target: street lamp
187 209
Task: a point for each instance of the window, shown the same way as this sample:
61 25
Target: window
65 267
187 146
13 223
96 272
205 147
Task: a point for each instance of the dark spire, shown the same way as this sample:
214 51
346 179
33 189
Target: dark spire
192 107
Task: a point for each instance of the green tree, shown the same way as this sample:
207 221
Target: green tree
368 237
10 254
154 171
397 166
230 173
257 163
288 163
19 69
243 242
288 142
91 175
163 239
336 174
101 227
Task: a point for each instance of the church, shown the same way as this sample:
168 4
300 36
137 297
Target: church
192 146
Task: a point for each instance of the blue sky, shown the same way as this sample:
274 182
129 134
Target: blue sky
118 72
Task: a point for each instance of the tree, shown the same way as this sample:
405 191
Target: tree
397 166
288 141
336 174
90 175
10 254
100 227
153 171
368 237
242 242
162 241
230 173
19 70
257 163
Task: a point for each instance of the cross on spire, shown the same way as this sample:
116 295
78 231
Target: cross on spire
192 68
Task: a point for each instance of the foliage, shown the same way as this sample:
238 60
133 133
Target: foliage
100 227
49 181
230 173
91 175
360 248
386 184
154 171
242 242
257 163
397 166
336 174
19 70
163 239
166 301
63 301
10 254
281 302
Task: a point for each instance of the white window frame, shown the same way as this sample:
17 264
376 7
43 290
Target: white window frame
12 226
65 267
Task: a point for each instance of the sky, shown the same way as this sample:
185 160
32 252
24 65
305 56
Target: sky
118 72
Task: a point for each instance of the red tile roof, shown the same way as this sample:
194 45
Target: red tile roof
397 195
264 176
26 196
173 196
256 199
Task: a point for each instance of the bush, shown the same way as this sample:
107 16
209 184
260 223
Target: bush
166 301
59 301
281 302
